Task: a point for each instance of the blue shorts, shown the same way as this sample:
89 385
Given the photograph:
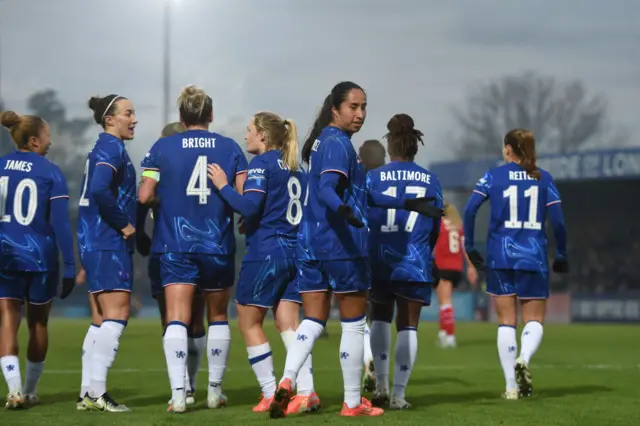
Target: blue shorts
339 276
208 271
265 283
155 280
108 270
387 291
524 284
38 288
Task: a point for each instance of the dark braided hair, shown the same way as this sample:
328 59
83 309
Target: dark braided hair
403 138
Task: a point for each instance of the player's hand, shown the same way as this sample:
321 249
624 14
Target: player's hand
477 260
128 231
241 229
347 213
560 266
143 244
217 176
81 277
435 274
472 275
421 205
68 284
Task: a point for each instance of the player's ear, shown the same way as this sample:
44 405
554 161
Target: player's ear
33 142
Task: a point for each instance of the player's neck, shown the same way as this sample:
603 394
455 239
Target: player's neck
396 158
198 127
113 133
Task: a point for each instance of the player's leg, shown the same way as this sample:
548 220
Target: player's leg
352 280
196 343
314 289
382 309
87 351
109 277
12 293
533 291
217 277
444 291
287 319
369 379
406 352
157 291
42 290
501 286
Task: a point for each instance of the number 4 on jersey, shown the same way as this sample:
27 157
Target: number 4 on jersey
198 181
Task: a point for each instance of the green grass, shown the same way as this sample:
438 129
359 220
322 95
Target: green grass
583 375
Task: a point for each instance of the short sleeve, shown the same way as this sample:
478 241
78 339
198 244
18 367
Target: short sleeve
151 160
241 160
483 186
59 184
258 176
110 154
334 157
553 195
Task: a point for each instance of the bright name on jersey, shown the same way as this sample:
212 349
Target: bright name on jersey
18 165
520 175
405 175
198 142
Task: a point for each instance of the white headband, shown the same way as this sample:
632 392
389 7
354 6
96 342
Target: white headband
109 106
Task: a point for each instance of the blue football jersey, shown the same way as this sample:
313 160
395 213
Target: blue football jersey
274 232
399 239
517 237
193 218
28 182
94 233
323 234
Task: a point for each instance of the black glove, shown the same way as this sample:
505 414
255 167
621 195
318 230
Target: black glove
422 206
143 244
560 266
435 274
347 213
477 260
68 285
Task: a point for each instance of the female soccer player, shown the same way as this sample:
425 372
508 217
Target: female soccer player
521 197
106 227
197 339
34 216
401 248
331 251
194 236
450 255
272 209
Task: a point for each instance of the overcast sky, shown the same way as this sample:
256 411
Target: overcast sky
413 56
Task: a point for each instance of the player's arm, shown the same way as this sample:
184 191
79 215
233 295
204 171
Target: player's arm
479 195
376 198
59 220
107 164
150 178
435 231
556 218
143 241
249 204
241 170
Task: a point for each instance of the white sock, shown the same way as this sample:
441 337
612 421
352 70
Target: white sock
11 369
196 347
406 353
261 360
351 354
175 351
380 348
530 339
218 343
507 350
298 352
304 381
105 348
34 371
368 355
87 354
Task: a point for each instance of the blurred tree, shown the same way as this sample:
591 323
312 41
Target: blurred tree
69 145
563 116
